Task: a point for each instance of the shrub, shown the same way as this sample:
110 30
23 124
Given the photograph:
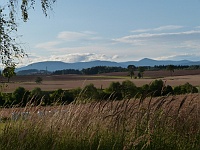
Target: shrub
36 95
20 96
114 90
143 91
61 96
90 92
186 88
57 95
76 92
190 88
177 90
167 90
156 87
38 80
2 99
129 90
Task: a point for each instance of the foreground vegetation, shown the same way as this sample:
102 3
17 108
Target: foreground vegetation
170 122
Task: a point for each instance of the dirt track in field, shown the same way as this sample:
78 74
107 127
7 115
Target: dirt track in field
100 81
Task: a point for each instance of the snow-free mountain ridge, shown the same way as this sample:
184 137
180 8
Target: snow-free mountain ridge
59 65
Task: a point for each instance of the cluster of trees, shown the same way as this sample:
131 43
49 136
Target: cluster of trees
102 69
132 68
67 71
33 72
21 97
115 91
177 67
127 89
91 71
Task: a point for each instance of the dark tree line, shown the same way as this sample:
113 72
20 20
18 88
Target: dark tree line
67 71
106 69
130 69
116 91
177 67
91 71
102 69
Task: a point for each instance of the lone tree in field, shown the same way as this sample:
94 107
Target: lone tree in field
171 69
9 72
38 80
141 71
131 69
10 50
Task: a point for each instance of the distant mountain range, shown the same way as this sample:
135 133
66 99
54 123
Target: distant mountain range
59 65
151 62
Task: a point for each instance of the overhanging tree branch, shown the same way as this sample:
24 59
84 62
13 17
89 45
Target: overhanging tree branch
9 48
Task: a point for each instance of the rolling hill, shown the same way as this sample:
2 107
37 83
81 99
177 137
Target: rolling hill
59 65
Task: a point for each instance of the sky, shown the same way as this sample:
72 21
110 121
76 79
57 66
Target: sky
113 30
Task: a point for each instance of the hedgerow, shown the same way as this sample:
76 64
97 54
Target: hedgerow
116 91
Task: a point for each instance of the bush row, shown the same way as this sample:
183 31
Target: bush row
115 91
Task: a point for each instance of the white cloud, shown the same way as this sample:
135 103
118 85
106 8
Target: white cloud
169 27
115 57
170 57
147 35
65 48
74 36
140 30
156 37
129 40
79 57
161 28
84 46
67 40
195 44
183 56
70 58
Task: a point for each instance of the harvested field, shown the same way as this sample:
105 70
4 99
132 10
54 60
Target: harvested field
159 73
54 82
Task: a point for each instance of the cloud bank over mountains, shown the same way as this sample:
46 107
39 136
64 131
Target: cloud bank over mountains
170 42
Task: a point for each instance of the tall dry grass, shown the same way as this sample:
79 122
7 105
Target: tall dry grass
170 122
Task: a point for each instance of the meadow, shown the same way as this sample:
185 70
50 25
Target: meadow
170 122
148 123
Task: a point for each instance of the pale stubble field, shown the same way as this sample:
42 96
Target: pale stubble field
65 82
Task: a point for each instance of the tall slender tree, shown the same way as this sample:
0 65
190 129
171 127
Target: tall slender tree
141 71
171 69
131 69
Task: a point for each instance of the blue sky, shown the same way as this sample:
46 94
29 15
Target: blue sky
114 30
